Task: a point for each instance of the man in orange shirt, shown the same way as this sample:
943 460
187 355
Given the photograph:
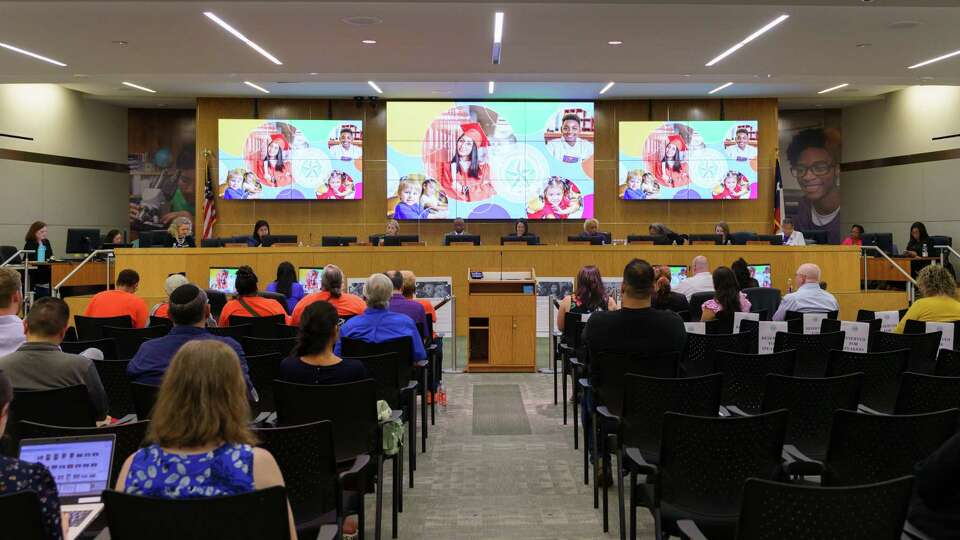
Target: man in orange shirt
331 290
120 301
247 303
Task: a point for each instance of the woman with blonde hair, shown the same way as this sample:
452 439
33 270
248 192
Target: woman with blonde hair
939 302
180 233
198 442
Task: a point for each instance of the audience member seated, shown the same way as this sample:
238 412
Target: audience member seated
809 297
791 236
17 475
663 297
113 236
331 291
189 310
376 324
169 285
727 298
314 361
260 236
247 303
588 297
742 272
939 302
11 297
701 279
856 236
920 244
180 233
723 230
399 304
459 228
287 284
198 442
936 496
121 301
39 364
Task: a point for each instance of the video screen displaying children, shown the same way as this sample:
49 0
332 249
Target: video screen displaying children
309 278
761 273
223 279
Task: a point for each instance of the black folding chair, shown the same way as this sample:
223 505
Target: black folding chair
105 345
812 350
89 328
261 327
948 363
144 398
160 321
923 348
129 339
22 516
744 376
921 393
236 332
264 368
254 346
68 406
881 374
116 383
699 357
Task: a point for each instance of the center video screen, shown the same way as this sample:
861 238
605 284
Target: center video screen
490 160
712 160
290 159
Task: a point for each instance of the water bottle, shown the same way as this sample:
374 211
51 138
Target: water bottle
789 285
42 252
924 250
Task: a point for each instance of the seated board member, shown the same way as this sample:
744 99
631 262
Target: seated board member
261 235
331 291
189 310
376 324
809 297
121 301
920 244
17 475
314 361
180 233
39 364
791 236
11 297
521 228
247 303
399 304
939 302
856 236
700 281
391 229
459 228
195 451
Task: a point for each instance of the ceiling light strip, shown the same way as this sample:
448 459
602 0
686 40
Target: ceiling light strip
490 87
138 87
927 62
607 87
832 88
375 87
748 39
236 33
32 54
721 87
258 87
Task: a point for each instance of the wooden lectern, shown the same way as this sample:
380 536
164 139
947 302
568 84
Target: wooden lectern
502 333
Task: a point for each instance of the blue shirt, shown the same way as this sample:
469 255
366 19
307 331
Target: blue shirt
296 293
231 193
226 470
809 298
154 356
414 310
409 211
634 194
379 325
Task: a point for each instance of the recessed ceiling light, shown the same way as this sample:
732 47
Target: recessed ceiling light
490 87
236 33
375 87
903 25
832 88
32 54
926 62
497 38
256 86
926 78
615 42
362 20
313 73
120 42
80 75
369 42
864 45
138 87
721 87
748 39
607 87
687 75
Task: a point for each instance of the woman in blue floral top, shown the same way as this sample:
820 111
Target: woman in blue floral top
199 442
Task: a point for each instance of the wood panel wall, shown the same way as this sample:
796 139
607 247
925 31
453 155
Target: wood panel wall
311 219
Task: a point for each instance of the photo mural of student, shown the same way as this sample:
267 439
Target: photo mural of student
409 194
570 148
433 200
339 186
742 150
673 170
467 178
813 159
235 185
346 150
274 169
251 186
733 186
559 199
633 191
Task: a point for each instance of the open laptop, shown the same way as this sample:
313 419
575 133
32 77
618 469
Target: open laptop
81 468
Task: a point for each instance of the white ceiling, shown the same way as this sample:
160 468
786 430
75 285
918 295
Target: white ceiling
433 49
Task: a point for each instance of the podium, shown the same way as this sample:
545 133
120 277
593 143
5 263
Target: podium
502 320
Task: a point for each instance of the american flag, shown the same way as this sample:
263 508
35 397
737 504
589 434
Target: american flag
209 204
777 200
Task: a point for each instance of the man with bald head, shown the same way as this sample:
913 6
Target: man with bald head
809 298
700 280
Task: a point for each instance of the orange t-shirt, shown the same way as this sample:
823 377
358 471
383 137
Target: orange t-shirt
263 306
117 303
428 308
347 304
163 311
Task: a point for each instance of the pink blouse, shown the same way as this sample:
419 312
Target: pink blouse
715 307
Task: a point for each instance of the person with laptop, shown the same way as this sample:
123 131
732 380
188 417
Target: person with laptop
194 451
247 303
11 297
331 291
121 301
39 364
809 297
700 281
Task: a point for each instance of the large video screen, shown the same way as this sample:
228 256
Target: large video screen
490 160
688 160
290 159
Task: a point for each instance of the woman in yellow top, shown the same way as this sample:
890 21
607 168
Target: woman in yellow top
939 302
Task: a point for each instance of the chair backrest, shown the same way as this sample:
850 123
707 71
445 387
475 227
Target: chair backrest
834 325
129 437
699 356
305 454
646 399
254 346
262 327
811 403
881 374
948 363
71 334
766 298
742 237
91 327
160 321
608 369
129 339
237 332
108 346
923 348
260 514
812 350
790 315
279 297
144 398
391 373
921 393
116 383
217 300
867 315
773 510
22 516
287 331
912 326
401 347
573 329
352 407
696 304
264 368
705 461
723 324
67 406
867 448
744 375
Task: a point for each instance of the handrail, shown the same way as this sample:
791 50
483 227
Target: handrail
56 288
941 248
911 283
892 263
17 254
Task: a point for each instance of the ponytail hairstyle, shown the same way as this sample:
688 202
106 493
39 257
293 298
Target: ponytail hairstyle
332 280
661 285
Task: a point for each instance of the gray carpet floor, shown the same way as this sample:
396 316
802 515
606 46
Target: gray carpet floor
519 480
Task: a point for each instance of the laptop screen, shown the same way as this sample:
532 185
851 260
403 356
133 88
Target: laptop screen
79 465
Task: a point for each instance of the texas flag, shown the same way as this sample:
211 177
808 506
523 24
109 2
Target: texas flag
777 200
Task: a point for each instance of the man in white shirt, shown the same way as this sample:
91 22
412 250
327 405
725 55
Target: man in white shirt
809 298
346 151
700 281
742 151
11 327
570 148
791 236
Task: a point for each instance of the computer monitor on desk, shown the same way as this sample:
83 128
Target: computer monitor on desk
596 240
461 239
772 239
642 238
705 239
337 241
272 239
884 241
530 240
815 237
82 240
394 240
